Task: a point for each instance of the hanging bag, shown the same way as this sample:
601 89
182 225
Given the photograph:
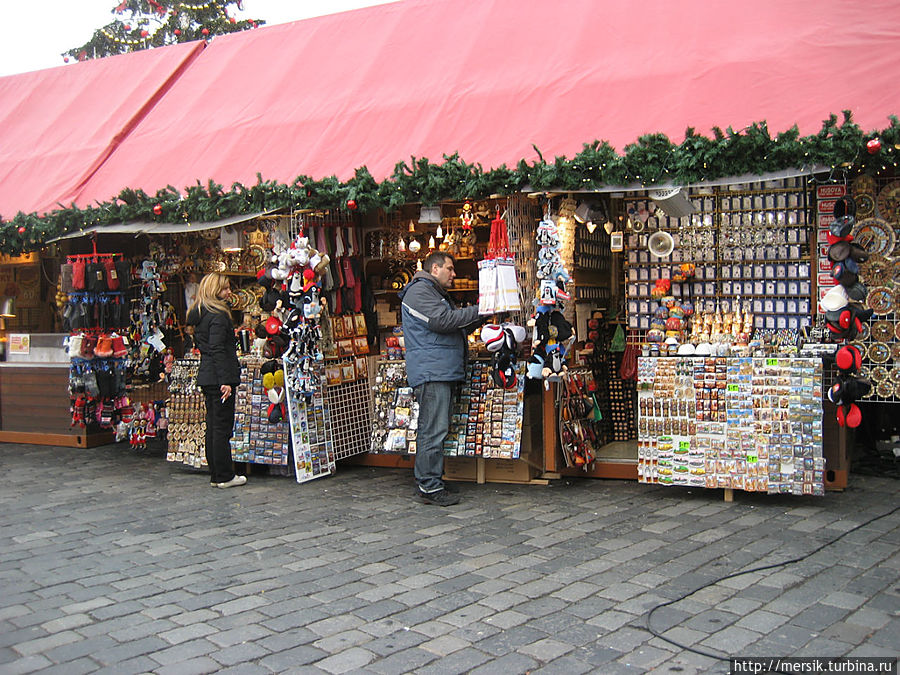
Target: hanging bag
628 368
78 275
508 299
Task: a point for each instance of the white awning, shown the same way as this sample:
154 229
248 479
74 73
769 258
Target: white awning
160 228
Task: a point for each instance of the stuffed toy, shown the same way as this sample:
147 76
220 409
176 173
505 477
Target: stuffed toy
273 384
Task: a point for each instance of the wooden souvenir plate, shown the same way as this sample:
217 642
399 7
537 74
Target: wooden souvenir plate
879 374
257 256
895 272
865 332
878 352
875 236
894 375
885 389
897 331
880 300
882 331
888 202
865 206
863 184
877 267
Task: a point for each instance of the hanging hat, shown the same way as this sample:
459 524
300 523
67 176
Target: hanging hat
834 238
273 325
492 336
848 358
835 299
857 291
844 206
841 227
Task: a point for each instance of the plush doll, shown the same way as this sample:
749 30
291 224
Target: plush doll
273 384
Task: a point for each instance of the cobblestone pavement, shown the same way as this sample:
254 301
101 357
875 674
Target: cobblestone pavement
119 562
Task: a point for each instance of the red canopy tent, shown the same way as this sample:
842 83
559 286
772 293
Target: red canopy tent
489 79
58 126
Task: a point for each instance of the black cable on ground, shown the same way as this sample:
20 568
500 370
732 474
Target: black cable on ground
720 657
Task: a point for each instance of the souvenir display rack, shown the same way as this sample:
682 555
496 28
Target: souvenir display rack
256 440
486 421
750 248
187 416
876 230
745 423
96 284
310 428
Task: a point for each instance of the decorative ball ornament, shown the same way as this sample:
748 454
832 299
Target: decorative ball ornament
127 26
351 204
157 209
231 19
177 31
21 229
65 59
144 33
204 32
873 146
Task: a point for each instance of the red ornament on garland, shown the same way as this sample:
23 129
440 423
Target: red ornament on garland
177 31
127 26
351 204
65 59
232 19
144 33
873 146
157 209
21 229
205 31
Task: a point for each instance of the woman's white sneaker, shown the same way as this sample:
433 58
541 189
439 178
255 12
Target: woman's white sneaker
234 482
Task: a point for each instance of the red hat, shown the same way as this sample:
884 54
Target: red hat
273 325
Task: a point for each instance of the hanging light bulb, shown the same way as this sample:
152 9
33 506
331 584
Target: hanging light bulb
440 233
430 243
401 246
412 226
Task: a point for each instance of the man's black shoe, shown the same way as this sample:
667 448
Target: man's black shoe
452 488
439 498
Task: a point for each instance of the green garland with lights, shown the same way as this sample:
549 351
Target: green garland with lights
653 159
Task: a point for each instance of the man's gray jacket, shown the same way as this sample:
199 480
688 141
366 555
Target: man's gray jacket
434 332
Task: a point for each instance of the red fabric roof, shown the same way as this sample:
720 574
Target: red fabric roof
489 78
58 125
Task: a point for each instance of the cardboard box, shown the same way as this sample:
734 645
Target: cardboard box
460 468
508 470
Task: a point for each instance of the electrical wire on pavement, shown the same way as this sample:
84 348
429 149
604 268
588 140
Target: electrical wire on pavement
720 657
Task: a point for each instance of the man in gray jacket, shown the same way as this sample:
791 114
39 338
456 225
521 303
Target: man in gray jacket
434 332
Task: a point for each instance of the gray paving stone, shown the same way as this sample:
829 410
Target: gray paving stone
345 661
546 650
289 659
462 661
197 666
406 661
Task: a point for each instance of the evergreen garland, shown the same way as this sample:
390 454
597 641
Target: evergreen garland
652 159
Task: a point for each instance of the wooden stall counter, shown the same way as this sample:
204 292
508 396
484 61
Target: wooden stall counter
34 399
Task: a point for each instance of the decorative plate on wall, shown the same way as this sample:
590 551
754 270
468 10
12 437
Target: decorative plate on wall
875 235
888 202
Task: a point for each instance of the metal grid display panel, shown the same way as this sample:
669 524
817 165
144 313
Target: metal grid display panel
522 216
349 406
878 273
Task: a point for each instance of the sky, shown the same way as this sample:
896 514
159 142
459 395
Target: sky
34 33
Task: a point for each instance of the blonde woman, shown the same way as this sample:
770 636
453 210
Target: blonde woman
218 375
